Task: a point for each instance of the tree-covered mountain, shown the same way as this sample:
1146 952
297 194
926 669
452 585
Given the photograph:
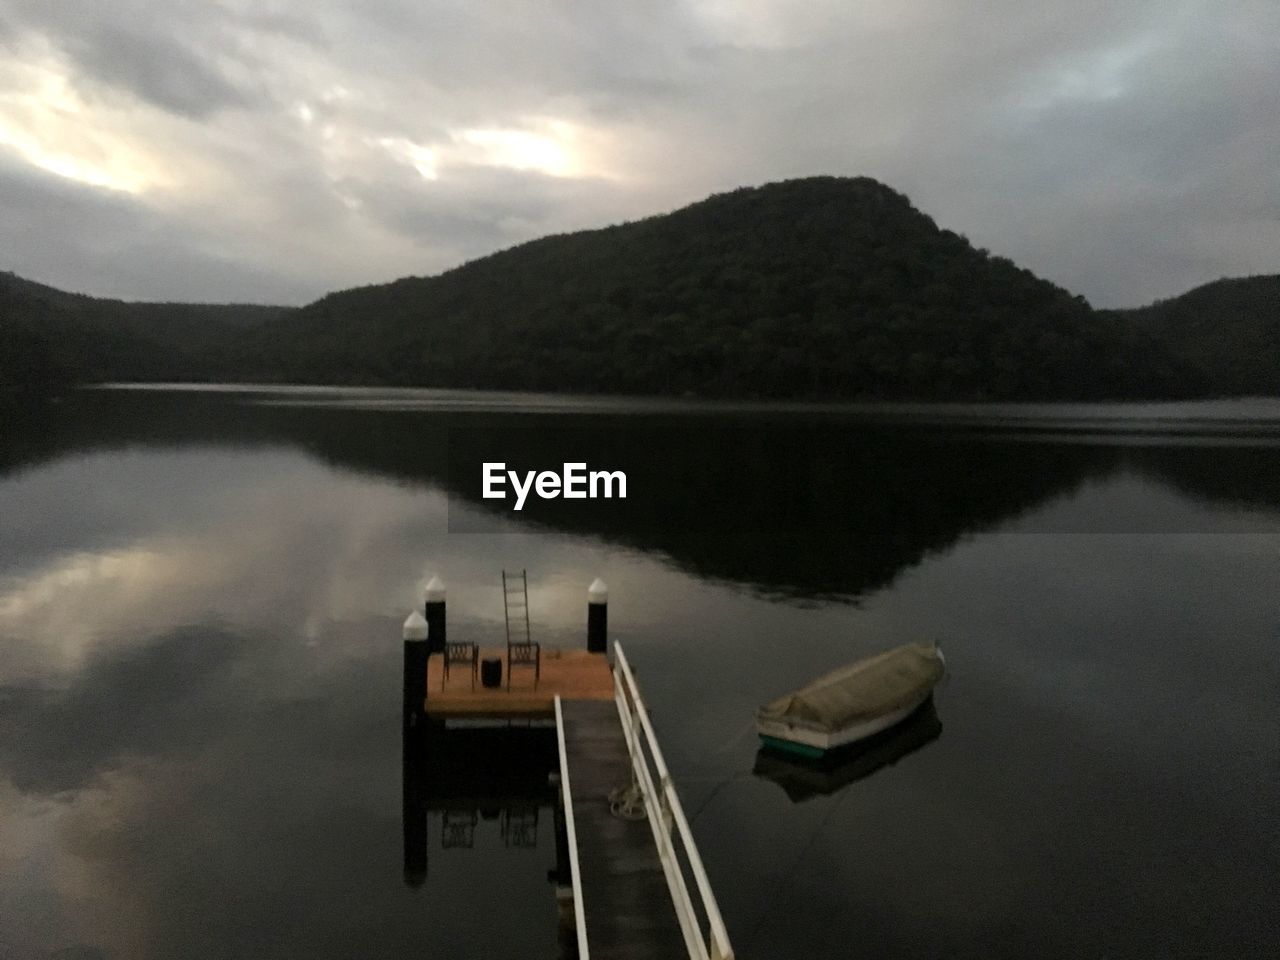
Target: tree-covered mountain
816 288
820 288
49 337
28 364
1229 330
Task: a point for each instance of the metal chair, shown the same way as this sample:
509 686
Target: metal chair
521 651
520 827
458 829
464 651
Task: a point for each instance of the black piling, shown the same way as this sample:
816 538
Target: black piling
598 617
414 808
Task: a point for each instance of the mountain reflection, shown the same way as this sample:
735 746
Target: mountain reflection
802 506
1243 477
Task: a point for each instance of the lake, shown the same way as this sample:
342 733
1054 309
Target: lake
201 594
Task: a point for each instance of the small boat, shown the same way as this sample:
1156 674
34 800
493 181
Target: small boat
803 778
852 703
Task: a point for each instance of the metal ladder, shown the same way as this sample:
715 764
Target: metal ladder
520 652
515 598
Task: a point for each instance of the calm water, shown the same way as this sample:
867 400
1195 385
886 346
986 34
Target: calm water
200 601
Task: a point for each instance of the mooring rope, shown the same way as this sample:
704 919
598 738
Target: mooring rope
627 803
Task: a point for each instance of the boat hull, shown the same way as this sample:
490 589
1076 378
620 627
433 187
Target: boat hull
810 743
803 777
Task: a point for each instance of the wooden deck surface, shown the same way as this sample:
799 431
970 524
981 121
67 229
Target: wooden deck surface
628 906
573 674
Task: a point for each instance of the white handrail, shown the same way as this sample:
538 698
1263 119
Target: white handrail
571 834
666 817
656 817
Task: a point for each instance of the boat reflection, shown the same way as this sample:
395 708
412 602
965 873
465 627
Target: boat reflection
804 779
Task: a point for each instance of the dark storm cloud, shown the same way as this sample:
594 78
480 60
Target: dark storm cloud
191 58
168 74
1121 149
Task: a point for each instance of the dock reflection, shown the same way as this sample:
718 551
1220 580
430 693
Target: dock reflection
472 775
803 780
464 784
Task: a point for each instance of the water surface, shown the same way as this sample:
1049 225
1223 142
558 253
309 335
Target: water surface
200 599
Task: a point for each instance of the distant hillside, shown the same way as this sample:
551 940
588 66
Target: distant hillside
48 337
1228 329
822 288
28 363
818 288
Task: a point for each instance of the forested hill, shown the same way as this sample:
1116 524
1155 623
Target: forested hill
1229 330
49 337
821 288
817 288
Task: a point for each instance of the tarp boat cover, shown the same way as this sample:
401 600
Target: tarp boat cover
861 691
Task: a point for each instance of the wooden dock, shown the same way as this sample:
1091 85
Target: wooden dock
629 910
572 675
630 897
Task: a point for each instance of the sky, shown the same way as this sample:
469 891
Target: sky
274 150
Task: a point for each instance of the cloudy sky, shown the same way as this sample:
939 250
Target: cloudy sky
272 150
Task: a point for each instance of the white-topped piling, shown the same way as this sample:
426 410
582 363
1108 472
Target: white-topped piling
598 617
433 600
416 653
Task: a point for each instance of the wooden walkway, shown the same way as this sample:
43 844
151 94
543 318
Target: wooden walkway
628 905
